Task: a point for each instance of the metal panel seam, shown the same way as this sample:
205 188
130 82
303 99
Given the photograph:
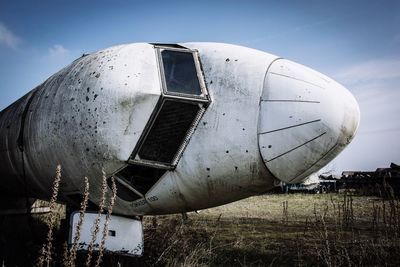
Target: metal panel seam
292 126
290 77
297 147
323 156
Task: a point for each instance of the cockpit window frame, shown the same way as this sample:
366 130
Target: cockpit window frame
204 96
202 101
148 171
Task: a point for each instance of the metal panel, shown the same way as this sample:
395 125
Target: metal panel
87 117
171 125
306 119
125 235
222 162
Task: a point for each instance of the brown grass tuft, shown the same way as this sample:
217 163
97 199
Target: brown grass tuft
71 256
107 221
46 251
96 226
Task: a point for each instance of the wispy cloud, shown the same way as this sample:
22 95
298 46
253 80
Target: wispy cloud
58 50
370 71
56 57
376 86
272 35
7 37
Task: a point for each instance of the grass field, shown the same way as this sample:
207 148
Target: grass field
280 230
274 230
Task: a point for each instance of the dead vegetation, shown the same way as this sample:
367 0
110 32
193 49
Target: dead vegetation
269 230
280 230
46 252
69 255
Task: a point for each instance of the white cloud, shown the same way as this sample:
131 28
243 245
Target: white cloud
58 50
7 37
370 71
56 57
376 86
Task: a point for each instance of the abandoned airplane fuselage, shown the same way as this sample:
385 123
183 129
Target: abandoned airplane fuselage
180 127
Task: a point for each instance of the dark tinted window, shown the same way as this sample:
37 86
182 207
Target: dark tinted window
123 192
180 72
168 131
141 178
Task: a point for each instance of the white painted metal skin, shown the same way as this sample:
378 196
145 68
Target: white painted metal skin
90 116
125 236
306 119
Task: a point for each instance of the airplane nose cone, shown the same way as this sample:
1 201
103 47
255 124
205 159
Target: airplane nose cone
306 120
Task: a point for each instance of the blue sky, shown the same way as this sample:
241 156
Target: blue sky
355 42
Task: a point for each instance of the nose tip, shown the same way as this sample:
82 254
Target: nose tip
350 113
306 120
339 112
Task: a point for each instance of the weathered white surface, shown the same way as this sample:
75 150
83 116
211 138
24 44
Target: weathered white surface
306 120
222 161
90 115
125 234
87 117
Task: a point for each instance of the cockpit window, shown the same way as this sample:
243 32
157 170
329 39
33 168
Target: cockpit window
183 100
180 72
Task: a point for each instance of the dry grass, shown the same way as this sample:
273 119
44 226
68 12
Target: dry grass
107 221
69 258
280 230
47 249
274 230
96 225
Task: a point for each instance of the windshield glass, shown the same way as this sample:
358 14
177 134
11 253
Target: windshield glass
180 72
